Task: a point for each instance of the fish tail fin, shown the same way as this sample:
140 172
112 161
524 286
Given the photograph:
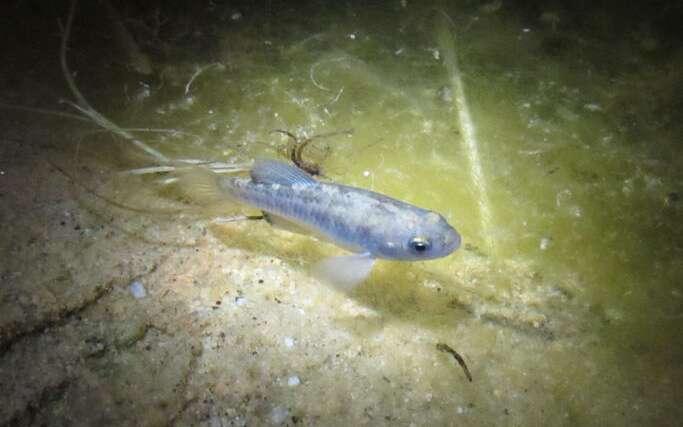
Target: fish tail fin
199 186
204 189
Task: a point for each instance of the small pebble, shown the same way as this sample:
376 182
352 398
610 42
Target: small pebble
446 94
545 243
137 289
593 106
279 414
672 198
293 381
289 342
239 301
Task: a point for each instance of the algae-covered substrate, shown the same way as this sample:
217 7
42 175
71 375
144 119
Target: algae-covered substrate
122 302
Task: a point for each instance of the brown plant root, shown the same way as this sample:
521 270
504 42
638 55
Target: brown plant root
295 149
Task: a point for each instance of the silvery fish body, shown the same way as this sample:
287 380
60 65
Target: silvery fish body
365 222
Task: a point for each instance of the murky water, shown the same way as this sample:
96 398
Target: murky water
580 196
573 232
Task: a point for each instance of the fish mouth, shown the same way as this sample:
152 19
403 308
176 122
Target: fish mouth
451 241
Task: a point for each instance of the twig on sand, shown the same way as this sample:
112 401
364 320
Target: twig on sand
333 101
215 167
446 41
112 202
447 349
164 163
314 67
198 72
44 111
229 219
311 73
82 104
169 131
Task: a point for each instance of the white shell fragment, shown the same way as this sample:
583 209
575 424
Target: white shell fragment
137 289
279 415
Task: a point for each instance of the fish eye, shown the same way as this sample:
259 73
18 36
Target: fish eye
419 244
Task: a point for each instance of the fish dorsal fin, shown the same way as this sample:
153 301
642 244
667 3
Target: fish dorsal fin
273 172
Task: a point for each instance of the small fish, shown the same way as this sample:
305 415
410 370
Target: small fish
371 225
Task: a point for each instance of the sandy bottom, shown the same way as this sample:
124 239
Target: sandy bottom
112 314
114 317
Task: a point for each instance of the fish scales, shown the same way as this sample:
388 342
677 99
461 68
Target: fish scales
354 218
331 210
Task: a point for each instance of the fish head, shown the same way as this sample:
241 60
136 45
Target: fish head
426 235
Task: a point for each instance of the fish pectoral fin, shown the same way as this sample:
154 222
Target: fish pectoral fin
345 272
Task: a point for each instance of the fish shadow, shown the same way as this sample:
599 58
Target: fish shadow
396 291
421 294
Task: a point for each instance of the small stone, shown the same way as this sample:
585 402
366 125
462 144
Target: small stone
289 342
593 106
672 198
137 289
279 414
293 381
445 94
